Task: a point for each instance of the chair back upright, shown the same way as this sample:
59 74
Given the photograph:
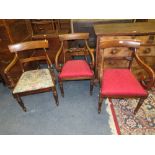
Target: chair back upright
31 47
114 46
74 51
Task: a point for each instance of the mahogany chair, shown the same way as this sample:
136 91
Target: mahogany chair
75 69
32 81
121 83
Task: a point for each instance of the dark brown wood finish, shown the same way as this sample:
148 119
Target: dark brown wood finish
86 26
42 25
11 31
74 52
48 26
119 29
32 47
74 36
132 45
143 31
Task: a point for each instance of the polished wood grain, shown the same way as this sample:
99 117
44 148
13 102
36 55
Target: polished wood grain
145 28
73 36
28 45
143 31
120 43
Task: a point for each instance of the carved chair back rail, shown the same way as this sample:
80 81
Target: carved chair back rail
86 50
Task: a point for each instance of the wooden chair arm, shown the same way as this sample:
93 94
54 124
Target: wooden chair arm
8 68
58 67
52 74
148 70
101 68
91 52
100 77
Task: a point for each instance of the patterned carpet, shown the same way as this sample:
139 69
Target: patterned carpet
126 123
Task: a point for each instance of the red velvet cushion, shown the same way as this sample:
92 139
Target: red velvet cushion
121 82
76 68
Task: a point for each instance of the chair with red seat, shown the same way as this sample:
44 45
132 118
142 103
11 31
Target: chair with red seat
121 83
75 69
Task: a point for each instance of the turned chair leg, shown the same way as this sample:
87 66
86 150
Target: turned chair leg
91 86
100 103
20 102
2 80
61 88
140 102
55 95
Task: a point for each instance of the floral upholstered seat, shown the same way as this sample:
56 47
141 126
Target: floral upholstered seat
34 80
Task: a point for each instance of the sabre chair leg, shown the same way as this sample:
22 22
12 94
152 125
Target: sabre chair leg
100 103
91 86
20 102
140 102
55 95
61 88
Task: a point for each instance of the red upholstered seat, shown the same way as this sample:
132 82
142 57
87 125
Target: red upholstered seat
120 82
75 68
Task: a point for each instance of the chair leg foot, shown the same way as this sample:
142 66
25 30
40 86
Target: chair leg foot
99 111
61 88
100 103
96 81
20 102
140 102
24 109
91 86
55 95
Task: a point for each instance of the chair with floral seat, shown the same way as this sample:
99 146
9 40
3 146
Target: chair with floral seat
38 80
120 82
74 68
